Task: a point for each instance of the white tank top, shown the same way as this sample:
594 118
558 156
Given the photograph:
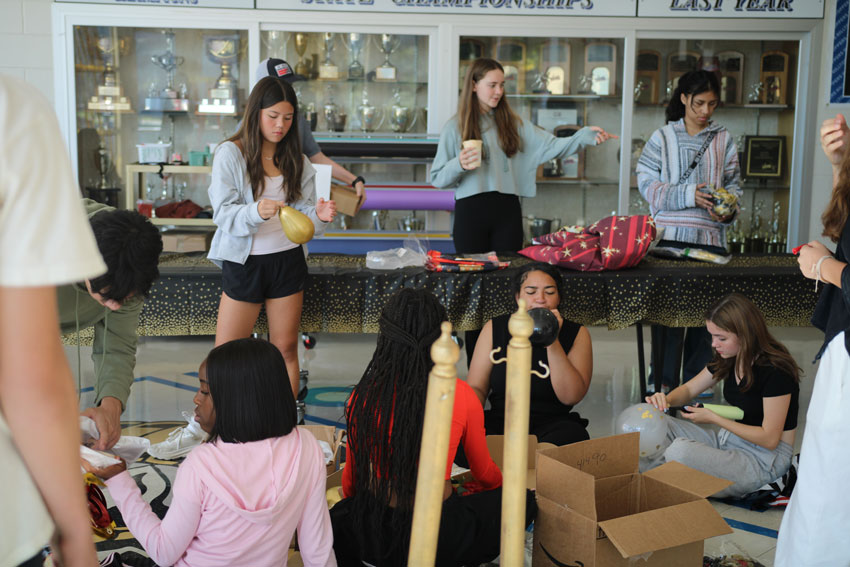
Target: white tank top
270 237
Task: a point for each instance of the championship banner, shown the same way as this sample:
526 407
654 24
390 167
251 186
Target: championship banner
751 9
625 8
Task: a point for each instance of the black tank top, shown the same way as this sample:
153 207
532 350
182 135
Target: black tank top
544 401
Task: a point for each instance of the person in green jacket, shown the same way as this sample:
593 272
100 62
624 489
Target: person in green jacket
130 246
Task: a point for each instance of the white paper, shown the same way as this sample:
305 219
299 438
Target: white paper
97 459
323 181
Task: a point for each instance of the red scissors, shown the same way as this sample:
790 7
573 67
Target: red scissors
796 249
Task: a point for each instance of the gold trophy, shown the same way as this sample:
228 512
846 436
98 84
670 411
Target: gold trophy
302 67
223 96
389 43
328 70
109 96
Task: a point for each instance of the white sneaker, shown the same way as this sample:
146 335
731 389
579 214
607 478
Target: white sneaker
180 441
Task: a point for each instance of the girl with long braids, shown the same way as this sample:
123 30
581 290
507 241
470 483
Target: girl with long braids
488 215
385 417
814 526
256 172
679 165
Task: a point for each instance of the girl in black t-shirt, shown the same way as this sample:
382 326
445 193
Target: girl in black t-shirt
760 377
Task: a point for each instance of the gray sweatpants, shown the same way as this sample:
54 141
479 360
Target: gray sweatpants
724 455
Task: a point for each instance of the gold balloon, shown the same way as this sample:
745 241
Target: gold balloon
296 225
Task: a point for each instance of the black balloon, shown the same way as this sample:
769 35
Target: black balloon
545 327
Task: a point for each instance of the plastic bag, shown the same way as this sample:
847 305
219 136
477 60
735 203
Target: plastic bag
128 447
691 254
412 253
726 553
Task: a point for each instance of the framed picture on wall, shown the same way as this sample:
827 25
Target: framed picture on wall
765 156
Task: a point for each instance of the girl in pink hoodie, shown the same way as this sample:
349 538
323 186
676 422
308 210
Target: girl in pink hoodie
238 499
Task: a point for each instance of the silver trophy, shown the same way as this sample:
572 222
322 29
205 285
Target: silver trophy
388 43
585 84
103 164
355 46
223 96
328 70
168 100
756 90
274 40
334 117
640 86
369 115
402 118
109 94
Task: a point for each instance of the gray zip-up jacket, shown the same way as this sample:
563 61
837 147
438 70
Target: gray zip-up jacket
235 210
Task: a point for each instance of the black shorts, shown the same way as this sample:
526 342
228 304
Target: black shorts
265 276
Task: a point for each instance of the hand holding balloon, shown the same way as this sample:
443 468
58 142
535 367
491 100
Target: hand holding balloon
546 326
652 425
296 225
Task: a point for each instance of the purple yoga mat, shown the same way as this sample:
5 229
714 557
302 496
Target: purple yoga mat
409 199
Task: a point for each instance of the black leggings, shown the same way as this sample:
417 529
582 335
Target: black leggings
558 430
488 221
470 528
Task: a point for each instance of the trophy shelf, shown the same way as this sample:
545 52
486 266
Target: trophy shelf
366 149
755 106
566 98
575 181
135 185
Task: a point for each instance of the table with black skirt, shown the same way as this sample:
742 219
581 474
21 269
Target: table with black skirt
341 295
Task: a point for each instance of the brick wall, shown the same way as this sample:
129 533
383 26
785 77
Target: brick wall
26 48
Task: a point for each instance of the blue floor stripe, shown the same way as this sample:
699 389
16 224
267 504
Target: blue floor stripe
752 528
172 383
162 381
323 421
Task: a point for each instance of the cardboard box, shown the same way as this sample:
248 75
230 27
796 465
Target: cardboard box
330 435
496 446
184 242
595 509
346 199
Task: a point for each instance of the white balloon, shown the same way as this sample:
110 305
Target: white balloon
652 425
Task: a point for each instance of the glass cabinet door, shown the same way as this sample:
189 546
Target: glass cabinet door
157 97
356 83
365 97
562 84
757 106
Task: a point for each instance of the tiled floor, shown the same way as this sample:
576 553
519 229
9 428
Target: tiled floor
338 361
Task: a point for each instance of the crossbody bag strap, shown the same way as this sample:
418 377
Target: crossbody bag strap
698 156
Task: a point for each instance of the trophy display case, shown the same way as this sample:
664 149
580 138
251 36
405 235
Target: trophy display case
144 93
757 106
561 84
373 84
365 97
154 96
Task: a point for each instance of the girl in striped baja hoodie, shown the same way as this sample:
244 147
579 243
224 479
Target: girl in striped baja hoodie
680 203
676 181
